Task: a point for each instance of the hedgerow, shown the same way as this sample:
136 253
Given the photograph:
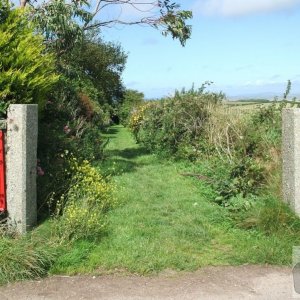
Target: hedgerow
244 146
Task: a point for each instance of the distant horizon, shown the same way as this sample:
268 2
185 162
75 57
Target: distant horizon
266 92
245 97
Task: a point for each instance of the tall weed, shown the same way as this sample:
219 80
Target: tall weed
80 212
25 258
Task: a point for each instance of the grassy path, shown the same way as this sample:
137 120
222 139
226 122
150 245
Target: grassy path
165 221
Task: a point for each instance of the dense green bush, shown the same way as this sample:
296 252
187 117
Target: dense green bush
81 210
175 126
27 73
65 129
245 178
132 99
77 110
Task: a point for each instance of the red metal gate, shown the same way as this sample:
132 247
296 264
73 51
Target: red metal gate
2 173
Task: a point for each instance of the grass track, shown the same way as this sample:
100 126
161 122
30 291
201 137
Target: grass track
166 221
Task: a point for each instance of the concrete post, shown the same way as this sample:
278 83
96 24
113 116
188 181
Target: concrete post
21 161
291 157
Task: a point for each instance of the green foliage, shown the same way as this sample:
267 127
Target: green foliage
81 210
101 63
245 178
65 129
60 23
25 258
27 73
132 99
3 109
59 20
78 109
4 10
196 124
175 126
175 23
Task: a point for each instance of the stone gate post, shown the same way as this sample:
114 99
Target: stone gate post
291 157
21 162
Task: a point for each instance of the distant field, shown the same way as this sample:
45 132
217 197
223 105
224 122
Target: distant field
244 103
252 105
247 107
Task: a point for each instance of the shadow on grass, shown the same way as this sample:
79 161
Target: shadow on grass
122 161
111 130
110 133
118 166
128 153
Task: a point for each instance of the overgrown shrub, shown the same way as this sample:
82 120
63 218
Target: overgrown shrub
245 178
175 126
132 99
65 127
80 212
27 72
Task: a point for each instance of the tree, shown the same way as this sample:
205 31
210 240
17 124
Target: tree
27 74
160 14
132 99
103 64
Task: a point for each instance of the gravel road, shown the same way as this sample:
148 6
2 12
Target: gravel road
243 282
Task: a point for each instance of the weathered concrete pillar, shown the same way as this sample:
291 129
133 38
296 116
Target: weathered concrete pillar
291 157
21 161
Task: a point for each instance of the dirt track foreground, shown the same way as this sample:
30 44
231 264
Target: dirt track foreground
244 282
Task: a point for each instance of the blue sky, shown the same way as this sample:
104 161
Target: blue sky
247 48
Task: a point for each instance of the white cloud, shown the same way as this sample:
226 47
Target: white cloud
230 8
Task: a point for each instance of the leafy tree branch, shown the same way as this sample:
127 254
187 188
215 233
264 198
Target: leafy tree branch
163 15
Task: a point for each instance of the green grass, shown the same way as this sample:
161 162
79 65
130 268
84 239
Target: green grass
168 221
29 256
